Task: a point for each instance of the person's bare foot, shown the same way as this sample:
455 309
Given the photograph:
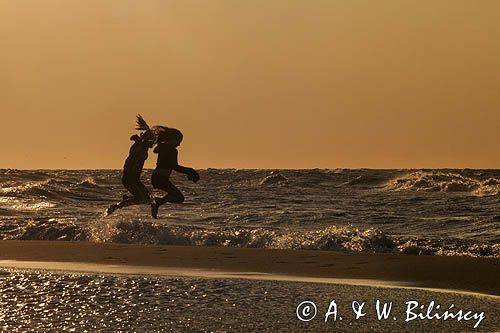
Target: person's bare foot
111 209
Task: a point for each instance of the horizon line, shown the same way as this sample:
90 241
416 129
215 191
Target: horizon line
267 168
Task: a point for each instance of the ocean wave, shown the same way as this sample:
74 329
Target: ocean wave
88 182
366 180
274 178
437 181
331 238
289 209
340 239
56 190
43 229
447 248
24 204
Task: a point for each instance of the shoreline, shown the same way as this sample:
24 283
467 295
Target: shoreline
180 272
464 275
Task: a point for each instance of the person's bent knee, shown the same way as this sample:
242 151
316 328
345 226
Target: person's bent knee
179 198
155 184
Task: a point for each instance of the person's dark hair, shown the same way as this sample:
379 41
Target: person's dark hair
141 124
160 134
166 135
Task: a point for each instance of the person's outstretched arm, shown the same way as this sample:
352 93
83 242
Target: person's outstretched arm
190 172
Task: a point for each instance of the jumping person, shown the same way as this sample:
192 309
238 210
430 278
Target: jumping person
168 140
131 176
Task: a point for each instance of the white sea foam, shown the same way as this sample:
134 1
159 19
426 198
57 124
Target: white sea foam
419 211
328 239
25 204
274 178
437 181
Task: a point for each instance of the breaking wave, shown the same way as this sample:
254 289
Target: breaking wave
395 211
331 238
43 229
53 190
343 239
25 204
444 182
274 178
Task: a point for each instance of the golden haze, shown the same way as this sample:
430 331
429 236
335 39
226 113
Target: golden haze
252 84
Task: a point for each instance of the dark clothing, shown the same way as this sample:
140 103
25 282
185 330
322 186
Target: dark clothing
167 159
136 188
134 163
131 177
160 180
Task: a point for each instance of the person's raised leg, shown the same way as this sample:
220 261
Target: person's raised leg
174 195
141 195
122 204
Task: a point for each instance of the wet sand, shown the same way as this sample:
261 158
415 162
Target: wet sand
42 301
479 275
46 286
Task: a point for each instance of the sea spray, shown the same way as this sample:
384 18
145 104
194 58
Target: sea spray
438 181
417 212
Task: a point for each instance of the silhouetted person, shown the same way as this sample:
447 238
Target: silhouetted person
169 139
131 176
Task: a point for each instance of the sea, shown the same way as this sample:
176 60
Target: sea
414 212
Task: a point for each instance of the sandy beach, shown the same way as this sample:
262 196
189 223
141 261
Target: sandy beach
213 289
250 166
467 274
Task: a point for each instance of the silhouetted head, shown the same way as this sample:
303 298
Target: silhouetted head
148 138
147 135
171 136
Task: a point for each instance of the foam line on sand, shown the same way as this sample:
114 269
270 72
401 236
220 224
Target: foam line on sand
77 267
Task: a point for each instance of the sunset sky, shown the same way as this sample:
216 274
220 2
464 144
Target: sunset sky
252 83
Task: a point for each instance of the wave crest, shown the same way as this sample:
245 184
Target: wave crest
444 182
55 190
43 229
340 239
331 238
274 178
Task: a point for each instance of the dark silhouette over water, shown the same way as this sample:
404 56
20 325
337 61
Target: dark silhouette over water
132 170
168 141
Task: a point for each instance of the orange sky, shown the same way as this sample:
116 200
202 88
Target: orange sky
252 84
